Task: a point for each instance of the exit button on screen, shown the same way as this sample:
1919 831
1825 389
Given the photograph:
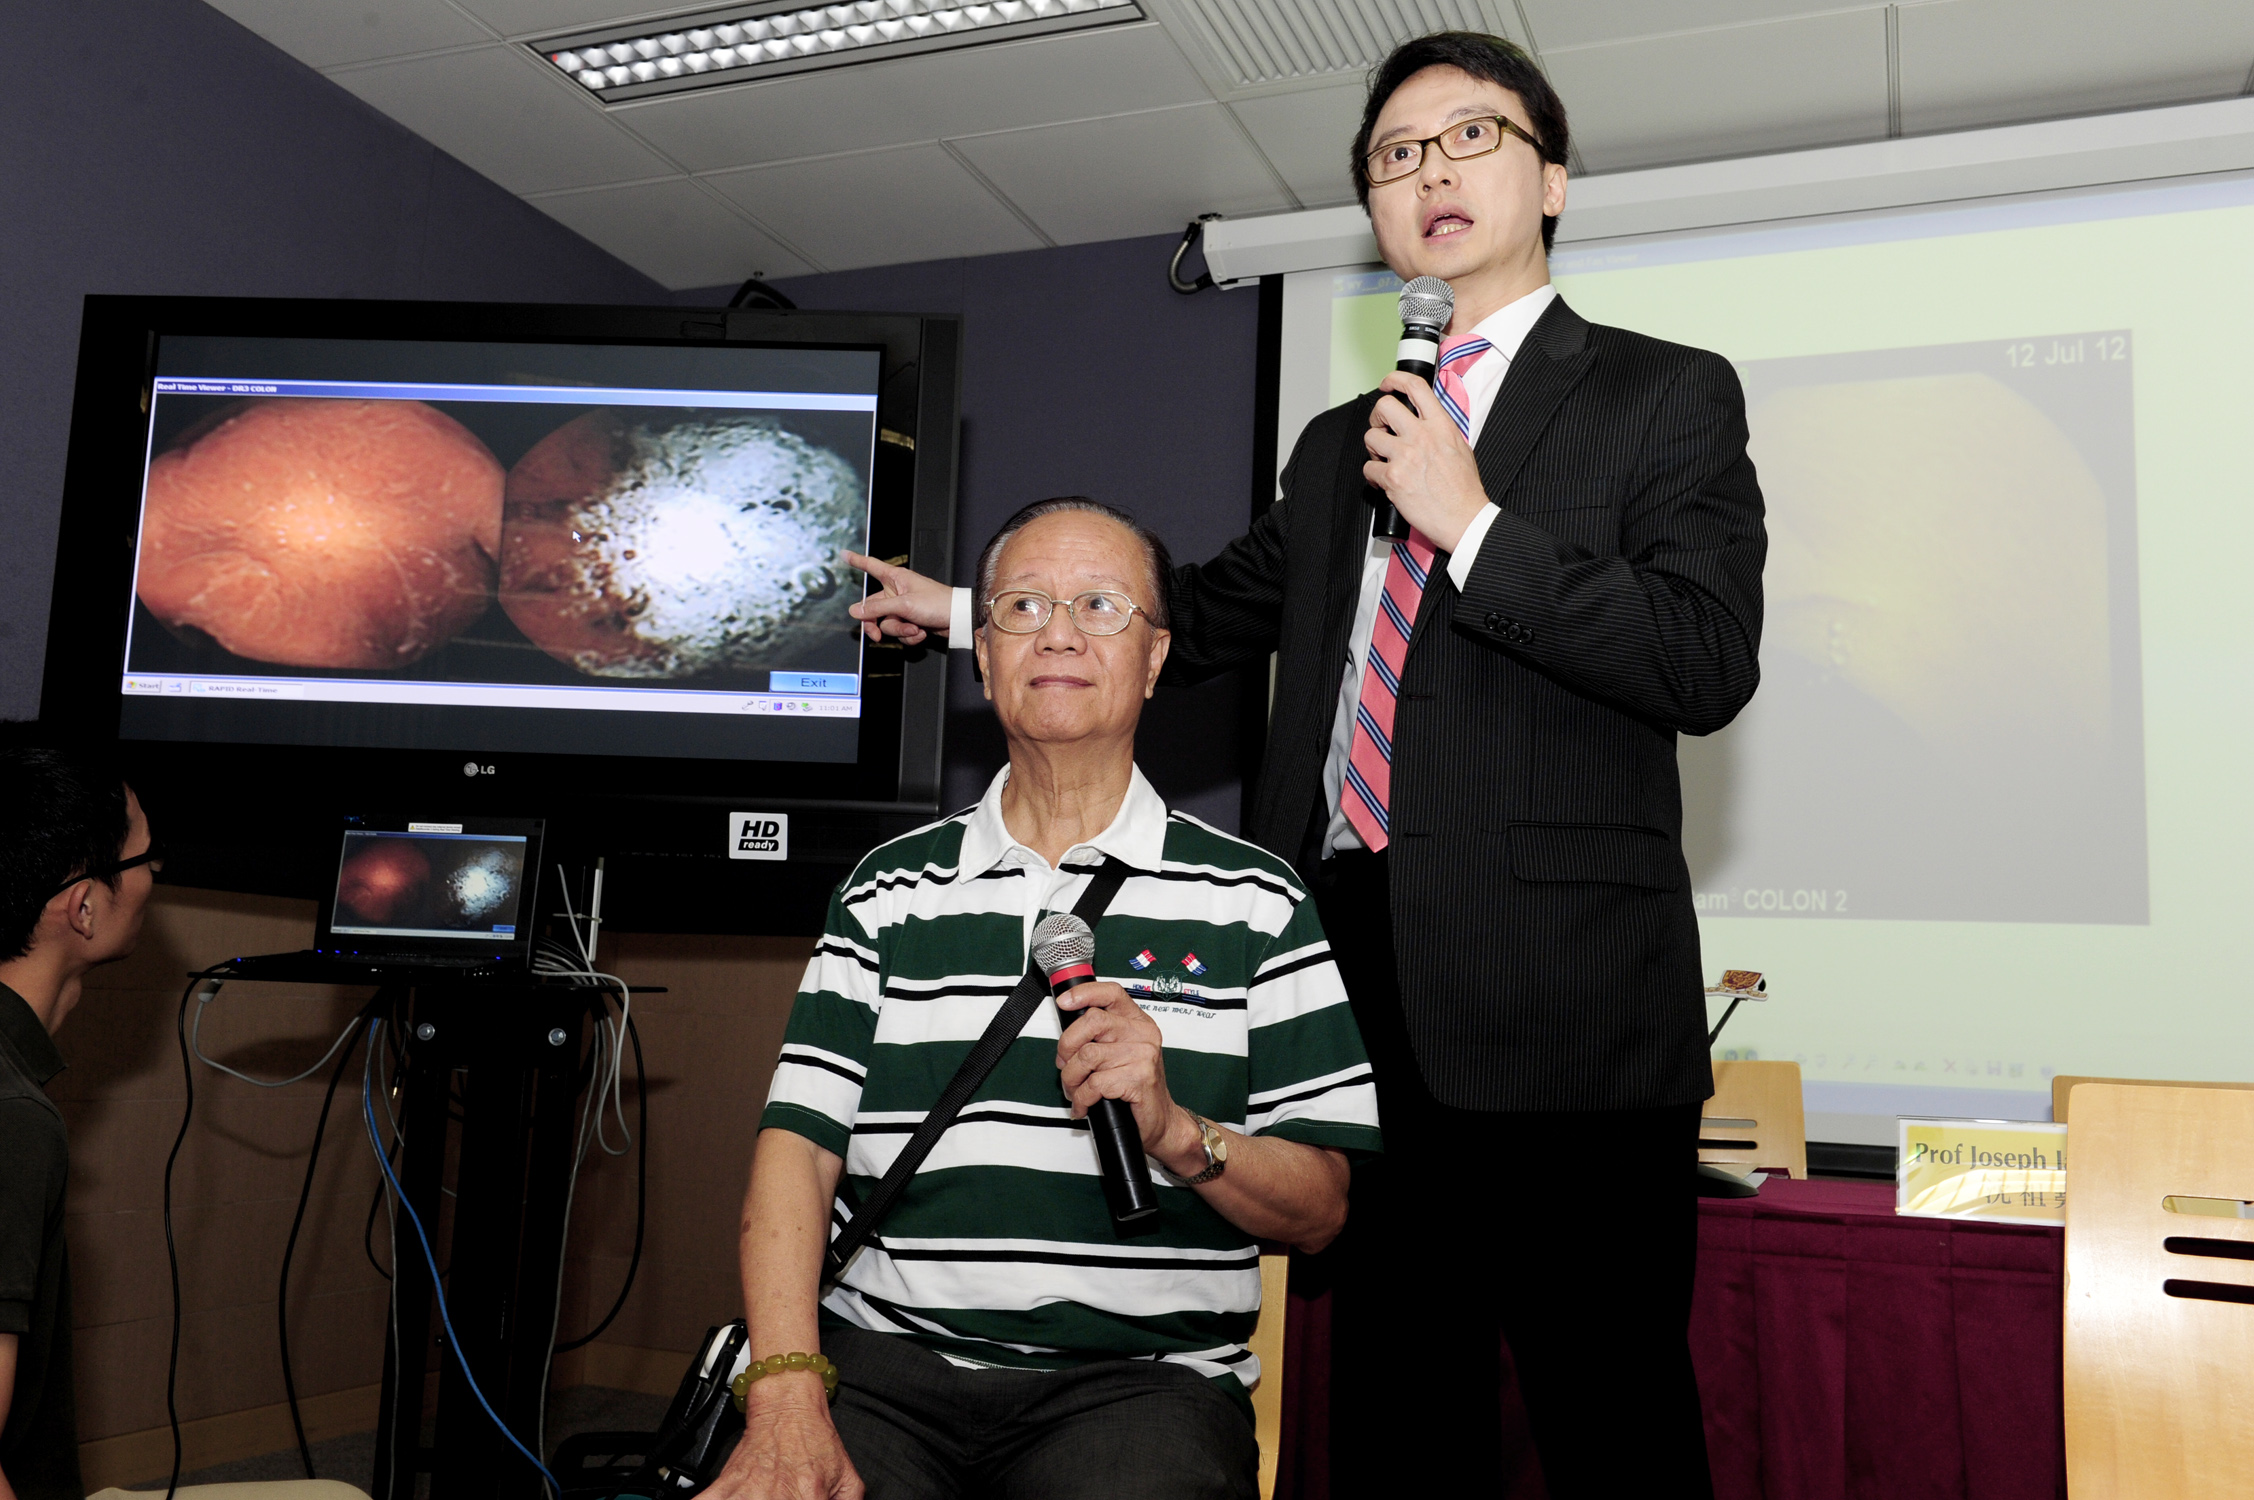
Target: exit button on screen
813 682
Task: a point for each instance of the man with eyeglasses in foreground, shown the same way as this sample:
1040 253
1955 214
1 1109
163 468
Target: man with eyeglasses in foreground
76 868
1472 750
999 1338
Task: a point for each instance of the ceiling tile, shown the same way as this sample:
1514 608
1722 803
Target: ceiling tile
534 17
1127 175
673 232
1981 62
1248 45
920 98
1734 91
878 208
493 109
1306 136
326 35
1582 23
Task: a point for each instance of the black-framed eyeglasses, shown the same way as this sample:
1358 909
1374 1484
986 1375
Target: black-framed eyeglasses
153 857
1096 612
1461 141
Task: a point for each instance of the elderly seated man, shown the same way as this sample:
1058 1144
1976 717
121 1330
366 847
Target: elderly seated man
999 1337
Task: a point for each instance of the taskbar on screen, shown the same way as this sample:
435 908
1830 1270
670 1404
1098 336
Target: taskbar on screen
832 695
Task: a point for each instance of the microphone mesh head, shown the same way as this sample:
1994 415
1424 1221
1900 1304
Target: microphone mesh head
1062 940
1427 302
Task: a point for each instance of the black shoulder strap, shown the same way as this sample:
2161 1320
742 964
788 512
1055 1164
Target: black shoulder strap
984 1054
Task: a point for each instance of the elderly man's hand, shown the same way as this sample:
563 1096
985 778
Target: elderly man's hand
907 607
790 1449
1114 1051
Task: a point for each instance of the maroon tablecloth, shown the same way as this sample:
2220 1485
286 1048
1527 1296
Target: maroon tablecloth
1843 1353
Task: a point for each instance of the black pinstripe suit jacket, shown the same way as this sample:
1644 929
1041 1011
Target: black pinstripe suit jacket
1548 953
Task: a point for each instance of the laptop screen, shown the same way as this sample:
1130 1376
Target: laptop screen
431 881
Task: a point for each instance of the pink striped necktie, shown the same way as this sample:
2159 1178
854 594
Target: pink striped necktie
1457 356
1367 795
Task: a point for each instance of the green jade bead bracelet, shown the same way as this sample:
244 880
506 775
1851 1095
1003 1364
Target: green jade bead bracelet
775 1364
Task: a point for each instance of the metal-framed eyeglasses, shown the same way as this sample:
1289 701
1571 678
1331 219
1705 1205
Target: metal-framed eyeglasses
153 857
1477 136
1096 612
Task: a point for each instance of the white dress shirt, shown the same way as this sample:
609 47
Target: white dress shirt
1506 329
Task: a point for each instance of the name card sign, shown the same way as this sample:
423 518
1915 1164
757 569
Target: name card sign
1982 1169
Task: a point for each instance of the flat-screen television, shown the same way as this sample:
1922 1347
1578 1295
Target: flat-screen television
580 563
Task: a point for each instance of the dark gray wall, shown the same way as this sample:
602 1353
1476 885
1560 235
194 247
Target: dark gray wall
160 148
157 147
1084 374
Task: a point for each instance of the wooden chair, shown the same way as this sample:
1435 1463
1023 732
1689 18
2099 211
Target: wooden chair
1755 1119
1268 1343
2063 1085
2159 1340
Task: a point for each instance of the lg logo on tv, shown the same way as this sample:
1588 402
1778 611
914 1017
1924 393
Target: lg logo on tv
472 768
758 835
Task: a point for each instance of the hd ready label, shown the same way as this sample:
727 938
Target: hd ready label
758 835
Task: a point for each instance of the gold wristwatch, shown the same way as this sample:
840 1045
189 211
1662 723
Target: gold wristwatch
1216 1150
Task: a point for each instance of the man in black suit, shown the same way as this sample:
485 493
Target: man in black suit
1473 750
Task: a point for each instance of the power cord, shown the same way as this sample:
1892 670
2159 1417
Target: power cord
171 1246
289 1247
195 1045
757 293
1191 234
430 1261
556 960
376 1200
589 1115
369 1075
607 1056
641 1194
343 1043
608 1086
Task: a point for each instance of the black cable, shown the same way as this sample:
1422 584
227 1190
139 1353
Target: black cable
375 1199
289 1249
368 1230
641 1189
1191 234
171 1248
394 1048
757 293
438 1285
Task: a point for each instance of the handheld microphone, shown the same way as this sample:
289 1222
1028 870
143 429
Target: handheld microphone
1426 305
1065 948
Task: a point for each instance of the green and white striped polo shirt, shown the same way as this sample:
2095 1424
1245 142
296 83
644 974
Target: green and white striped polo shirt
1002 1251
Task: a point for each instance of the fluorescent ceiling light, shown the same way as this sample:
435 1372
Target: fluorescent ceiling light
765 40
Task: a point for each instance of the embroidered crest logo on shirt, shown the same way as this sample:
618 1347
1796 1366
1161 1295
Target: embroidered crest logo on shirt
1166 984
1191 963
1142 960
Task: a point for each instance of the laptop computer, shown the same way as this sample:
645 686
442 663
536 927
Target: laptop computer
419 898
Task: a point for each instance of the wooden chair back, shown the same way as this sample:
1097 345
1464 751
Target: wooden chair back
1267 1342
1755 1118
2159 1340
2063 1085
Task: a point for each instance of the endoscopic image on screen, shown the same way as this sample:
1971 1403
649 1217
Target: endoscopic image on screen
499 542
409 885
1949 724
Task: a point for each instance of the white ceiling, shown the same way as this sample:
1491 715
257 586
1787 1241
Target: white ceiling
1232 106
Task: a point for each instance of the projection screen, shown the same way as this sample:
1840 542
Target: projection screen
1986 820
